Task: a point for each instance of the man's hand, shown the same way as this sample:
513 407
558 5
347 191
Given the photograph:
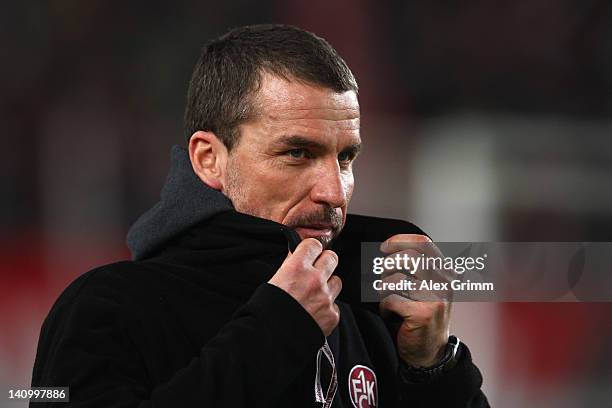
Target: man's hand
423 334
307 276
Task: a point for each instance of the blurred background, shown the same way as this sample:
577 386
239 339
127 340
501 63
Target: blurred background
482 120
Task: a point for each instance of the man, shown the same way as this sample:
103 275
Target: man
234 297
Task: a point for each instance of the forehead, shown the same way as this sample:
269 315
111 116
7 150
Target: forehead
284 102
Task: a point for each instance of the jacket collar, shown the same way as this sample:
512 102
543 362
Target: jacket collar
184 202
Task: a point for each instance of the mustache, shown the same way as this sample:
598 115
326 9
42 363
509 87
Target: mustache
326 216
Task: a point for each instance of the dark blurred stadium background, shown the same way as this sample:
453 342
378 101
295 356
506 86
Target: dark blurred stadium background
482 120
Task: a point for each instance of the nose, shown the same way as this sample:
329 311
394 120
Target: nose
331 186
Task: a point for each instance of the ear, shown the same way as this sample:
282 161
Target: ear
208 157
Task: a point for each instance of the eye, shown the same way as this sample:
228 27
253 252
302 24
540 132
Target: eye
297 153
345 157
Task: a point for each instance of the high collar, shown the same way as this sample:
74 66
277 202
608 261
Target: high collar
244 234
185 201
229 253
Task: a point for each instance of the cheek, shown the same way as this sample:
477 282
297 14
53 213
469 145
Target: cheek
273 191
348 183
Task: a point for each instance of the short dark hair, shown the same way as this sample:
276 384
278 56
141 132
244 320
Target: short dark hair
229 70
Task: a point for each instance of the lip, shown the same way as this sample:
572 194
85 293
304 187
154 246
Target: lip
314 231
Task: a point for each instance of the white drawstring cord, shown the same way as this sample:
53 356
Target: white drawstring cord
333 385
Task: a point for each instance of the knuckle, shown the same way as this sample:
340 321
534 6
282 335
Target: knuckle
422 238
314 285
397 237
440 307
334 286
409 238
303 264
336 312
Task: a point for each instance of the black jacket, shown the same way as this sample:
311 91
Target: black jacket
192 322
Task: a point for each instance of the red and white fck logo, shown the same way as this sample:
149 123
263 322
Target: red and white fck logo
362 387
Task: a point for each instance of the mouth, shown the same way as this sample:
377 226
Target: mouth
315 231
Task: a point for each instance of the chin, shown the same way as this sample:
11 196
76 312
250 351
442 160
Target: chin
325 241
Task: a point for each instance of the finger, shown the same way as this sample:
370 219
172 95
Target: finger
326 263
396 304
401 242
413 264
307 252
405 266
419 290
395 284
409 308
390 243
335 286
336 309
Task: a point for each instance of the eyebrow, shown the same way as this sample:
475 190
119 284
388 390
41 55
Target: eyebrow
353 149
299 142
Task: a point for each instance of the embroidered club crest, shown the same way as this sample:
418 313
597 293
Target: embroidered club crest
362 387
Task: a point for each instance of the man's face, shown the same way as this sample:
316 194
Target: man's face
293 161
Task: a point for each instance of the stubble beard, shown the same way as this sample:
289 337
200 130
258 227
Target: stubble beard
235 191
